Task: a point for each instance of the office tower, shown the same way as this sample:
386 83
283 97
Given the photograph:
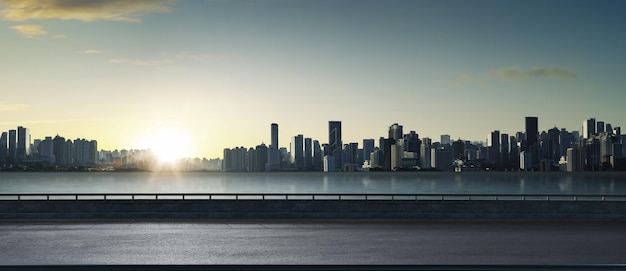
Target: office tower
12 145
318 156
609 128
350 155
395 131
335 144
297 151
261 157
599 127
617 131
504 149
589 128
274 142
368 148
445 140
60 150
251 160
442 159
396 155
532 130
23 143
308 153
4 147
458 150
494 148
573 160
425 153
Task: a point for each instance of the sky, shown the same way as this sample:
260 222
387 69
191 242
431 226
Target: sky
216 74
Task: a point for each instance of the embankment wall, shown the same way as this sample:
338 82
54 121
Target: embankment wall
112 209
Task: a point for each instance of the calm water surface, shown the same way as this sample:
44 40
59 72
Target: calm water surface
610 183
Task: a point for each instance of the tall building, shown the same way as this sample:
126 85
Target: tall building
60 154
599 127
12 145
274 142
504 149
395 131
4 147
495 154
23 143
335 144
589 128
532 130
368 148
297 151
308 153
445 140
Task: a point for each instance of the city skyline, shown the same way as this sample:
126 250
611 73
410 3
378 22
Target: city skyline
217 73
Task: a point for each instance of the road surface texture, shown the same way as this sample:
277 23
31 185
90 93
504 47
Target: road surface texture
363 242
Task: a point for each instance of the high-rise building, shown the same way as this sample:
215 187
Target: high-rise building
59 149
599 127
504 149
261 157
495 154
12 145
23 143
4 147
297 151
274 142
368 148
335 144
308 153
589 128
532 130
395 131
445 140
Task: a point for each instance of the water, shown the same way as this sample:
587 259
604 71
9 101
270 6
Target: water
607 183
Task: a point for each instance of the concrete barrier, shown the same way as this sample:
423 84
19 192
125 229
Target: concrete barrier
69 209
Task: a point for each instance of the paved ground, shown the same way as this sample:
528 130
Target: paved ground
312 242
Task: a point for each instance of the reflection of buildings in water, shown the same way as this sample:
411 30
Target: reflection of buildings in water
522 185
607 187
325 183
566 184
458 181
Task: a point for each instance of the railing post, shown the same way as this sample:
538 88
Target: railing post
47 197
183 196
313 196
105 196
365 197
392 199
263 197
236 196
156 196
75 197
132 196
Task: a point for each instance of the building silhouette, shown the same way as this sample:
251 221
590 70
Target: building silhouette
334 149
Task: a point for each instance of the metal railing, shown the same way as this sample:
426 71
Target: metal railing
307 196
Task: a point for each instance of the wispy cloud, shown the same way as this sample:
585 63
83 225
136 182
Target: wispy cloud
141 62
12 107
92 52
83 10
59 36
516 74
29 30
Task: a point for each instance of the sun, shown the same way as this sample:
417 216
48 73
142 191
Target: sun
168 145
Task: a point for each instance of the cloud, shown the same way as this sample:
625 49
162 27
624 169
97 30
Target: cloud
82 10
516 74
12 107
59 36
141 62
92 52
29 30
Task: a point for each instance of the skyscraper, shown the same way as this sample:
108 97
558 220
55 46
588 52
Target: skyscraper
395 131
23 143
445 140
368 148
4 150
589 128
335 144
297 151
532 130
12 145
274 142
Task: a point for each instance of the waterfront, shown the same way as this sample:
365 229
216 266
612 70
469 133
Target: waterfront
608 183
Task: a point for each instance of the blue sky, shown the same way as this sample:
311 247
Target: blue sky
221 71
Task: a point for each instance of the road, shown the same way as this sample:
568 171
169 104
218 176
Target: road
312 242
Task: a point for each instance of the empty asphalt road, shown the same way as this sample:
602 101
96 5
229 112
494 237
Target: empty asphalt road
116 242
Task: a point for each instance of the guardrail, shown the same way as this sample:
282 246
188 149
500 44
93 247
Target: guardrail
306 196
